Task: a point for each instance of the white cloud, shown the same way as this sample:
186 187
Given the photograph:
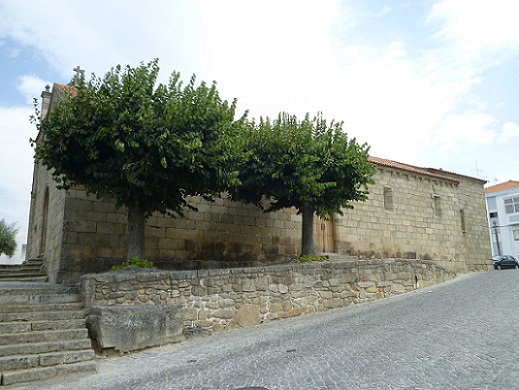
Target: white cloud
509 131
468 128
284 56
31 86
103 34
273 65
16 166
273 56
478 27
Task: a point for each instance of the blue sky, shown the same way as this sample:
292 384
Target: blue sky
431 83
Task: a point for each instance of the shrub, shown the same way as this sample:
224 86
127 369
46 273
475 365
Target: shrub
308 258
134 262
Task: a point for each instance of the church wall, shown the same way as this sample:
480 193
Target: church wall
220 233
415 216
400 219
46 221
475 237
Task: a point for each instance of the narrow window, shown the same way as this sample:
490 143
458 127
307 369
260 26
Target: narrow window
388 198
437 206
516 235
463 226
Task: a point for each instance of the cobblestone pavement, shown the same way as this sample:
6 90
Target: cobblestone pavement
462 334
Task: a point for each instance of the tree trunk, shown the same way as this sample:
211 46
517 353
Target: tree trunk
308 245
136 219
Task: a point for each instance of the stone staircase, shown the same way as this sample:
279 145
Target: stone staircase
31 270
42 332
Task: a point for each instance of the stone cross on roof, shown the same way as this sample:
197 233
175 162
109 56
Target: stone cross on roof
77 77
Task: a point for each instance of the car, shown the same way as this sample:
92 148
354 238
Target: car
505 261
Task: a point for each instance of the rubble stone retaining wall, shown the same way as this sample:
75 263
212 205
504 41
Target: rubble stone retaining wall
220 299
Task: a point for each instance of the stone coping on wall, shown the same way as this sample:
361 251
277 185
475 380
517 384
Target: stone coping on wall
212 300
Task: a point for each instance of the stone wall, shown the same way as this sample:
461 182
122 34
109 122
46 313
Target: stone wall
220 299
220 234
45 233
413 216
423 221
473 248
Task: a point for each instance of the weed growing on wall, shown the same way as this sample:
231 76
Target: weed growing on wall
308 258
134 262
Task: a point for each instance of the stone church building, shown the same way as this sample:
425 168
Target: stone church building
411 213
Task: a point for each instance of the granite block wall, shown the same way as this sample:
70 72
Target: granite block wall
220 299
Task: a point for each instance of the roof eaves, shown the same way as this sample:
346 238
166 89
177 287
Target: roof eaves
410 168
507 185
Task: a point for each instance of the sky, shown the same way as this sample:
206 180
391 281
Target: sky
431 83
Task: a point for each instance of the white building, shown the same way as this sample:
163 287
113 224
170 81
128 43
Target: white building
503 217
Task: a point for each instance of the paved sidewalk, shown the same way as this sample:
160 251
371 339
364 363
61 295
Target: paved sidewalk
462 334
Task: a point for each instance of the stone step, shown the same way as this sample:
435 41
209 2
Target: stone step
43 329
23 278
21 362
28 308
22 288
44 347
42 316
20 268
23 326
34 260
20 271
43 336
36 374
28 263
31 270
39 299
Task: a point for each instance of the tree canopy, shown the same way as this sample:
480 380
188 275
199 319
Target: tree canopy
308 164
7 238
149 145
145 144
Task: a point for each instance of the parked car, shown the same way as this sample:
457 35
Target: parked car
505 261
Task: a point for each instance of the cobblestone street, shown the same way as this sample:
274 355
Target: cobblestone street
461 334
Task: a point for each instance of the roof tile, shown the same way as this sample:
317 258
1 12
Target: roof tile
66 88
409 168
507 185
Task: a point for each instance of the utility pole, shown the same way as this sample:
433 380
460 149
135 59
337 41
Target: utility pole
497 238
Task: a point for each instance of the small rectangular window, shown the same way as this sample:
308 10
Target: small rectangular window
516 235
437 206
388 198
493 214
463 226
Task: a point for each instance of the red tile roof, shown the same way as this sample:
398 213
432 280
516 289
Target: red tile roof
409 168
66 88
507 185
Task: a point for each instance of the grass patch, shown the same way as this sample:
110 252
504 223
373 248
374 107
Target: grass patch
308 258
135 262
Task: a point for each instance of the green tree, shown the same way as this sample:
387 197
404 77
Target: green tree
310 165
7 238
144 144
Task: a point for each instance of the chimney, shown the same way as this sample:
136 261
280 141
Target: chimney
45 102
